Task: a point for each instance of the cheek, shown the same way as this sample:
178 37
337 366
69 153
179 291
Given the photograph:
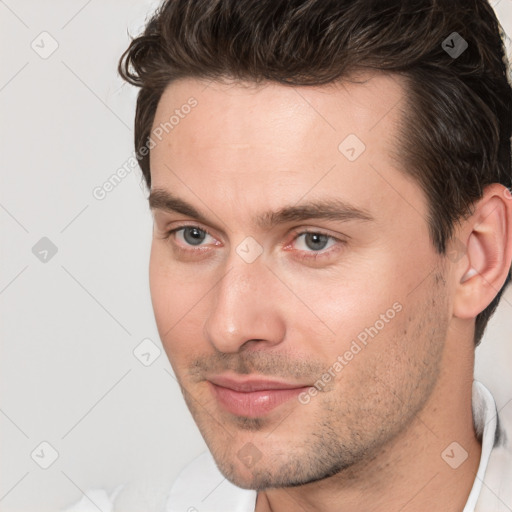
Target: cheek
160 287
403 359
177 296
370 314
346 303
168 293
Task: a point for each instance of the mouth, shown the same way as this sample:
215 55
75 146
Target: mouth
252 397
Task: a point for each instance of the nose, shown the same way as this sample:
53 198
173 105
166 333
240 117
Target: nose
245 308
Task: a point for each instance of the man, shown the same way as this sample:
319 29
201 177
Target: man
330 183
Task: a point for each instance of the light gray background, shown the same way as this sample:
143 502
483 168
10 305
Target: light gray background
69 325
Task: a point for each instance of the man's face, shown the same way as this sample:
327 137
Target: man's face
299 355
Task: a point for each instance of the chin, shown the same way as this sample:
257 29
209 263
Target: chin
249 478
266 473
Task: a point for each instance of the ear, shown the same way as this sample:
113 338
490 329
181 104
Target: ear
486 245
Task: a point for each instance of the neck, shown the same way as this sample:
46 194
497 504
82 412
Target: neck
412 473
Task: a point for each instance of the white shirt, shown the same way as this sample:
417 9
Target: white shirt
201 487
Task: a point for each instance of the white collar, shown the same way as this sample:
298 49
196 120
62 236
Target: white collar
485 421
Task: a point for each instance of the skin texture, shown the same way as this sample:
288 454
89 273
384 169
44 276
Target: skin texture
372 437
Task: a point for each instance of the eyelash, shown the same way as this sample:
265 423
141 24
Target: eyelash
313 256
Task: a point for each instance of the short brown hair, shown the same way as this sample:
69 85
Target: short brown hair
459 120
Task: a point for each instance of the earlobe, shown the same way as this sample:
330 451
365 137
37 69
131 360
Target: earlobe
488 253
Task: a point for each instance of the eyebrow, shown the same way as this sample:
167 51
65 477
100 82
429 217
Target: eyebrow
328 209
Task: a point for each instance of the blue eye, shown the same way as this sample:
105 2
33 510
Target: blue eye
314 241
193 235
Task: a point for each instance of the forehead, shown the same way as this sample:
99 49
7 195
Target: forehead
272 142
307 119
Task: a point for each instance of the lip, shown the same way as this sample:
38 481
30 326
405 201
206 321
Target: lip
252 384
252 397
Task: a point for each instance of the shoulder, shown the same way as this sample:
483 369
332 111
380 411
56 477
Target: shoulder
95 499
201 486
